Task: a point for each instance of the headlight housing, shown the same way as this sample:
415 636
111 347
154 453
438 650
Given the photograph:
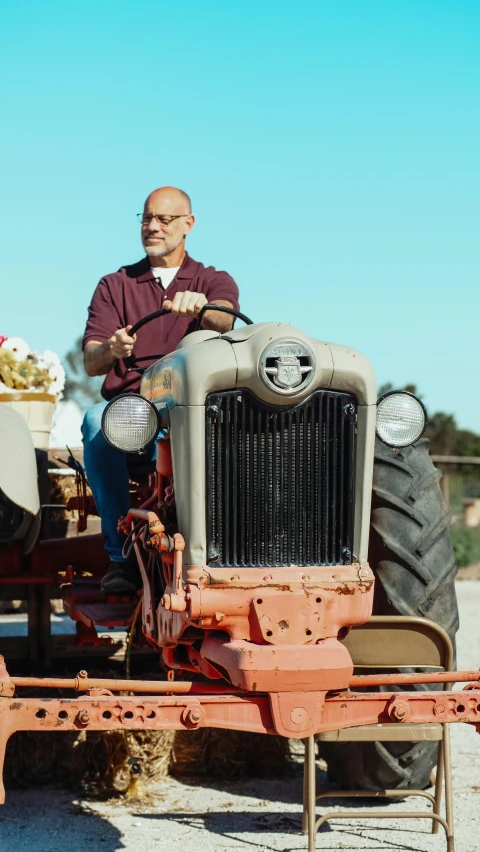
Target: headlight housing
401 419
130 422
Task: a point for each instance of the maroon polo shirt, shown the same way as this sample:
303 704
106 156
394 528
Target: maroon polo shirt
124 297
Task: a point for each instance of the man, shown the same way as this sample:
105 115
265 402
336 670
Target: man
166 278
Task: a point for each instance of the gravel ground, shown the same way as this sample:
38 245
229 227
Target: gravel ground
256 815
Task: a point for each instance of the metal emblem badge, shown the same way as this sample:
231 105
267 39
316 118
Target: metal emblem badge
287 366
288 372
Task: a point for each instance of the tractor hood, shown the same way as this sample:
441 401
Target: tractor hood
275 361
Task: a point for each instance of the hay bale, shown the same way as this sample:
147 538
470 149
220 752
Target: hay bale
109 763
98 763
62 488
218 754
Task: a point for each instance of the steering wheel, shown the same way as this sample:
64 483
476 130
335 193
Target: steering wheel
131 362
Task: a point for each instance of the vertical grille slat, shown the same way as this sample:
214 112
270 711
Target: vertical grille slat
335 406
252 450
326 476
244 492
236 467
280 480
289 489
227 469
340 473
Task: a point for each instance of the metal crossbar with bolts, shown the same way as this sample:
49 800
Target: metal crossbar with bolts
163 705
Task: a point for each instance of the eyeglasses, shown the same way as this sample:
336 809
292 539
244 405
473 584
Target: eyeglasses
146 218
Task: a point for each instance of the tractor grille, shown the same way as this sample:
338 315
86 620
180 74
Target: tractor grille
280 480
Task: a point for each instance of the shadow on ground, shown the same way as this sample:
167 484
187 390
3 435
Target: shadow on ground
53 821
234 825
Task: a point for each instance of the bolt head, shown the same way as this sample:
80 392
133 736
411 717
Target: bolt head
193 716
399 711
83 717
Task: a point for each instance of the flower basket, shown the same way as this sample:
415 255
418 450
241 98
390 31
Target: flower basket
37 409
30 383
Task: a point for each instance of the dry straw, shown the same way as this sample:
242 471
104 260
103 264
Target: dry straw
110 763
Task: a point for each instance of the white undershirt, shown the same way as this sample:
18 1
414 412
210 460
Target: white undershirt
164 275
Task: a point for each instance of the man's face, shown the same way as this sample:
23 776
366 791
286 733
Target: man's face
166 222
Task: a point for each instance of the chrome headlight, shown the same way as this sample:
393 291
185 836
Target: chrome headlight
401 419
130 422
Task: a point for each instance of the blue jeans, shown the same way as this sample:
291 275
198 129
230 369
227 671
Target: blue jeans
108 476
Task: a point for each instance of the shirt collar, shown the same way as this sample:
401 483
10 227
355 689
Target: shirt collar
186 271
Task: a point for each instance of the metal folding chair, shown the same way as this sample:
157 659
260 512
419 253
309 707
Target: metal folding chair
389 642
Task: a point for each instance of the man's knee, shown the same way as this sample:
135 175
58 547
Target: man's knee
92 422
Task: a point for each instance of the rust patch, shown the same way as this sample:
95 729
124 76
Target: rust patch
251 587
17 705
345 589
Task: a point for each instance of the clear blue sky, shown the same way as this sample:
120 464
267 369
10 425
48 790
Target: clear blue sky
331 149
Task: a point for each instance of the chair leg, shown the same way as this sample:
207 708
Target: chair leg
310 791
447 759
305 791
438 784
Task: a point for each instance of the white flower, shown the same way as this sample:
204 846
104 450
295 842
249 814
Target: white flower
47 359
50 361
57 373
17 345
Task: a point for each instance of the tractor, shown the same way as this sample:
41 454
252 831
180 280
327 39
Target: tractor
286 504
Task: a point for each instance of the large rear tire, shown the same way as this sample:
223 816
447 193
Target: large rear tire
412 557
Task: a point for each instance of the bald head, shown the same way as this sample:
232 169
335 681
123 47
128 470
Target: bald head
167 219
169 200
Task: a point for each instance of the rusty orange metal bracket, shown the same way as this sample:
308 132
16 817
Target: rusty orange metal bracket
185 705
103 711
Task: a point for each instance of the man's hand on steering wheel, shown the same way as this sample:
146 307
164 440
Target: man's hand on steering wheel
121 344
184 304
187 304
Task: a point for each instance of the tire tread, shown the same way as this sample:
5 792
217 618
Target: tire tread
414 565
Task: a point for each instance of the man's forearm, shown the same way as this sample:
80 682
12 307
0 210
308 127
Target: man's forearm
216 320
98 357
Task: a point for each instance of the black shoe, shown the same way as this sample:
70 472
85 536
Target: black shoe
121 578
